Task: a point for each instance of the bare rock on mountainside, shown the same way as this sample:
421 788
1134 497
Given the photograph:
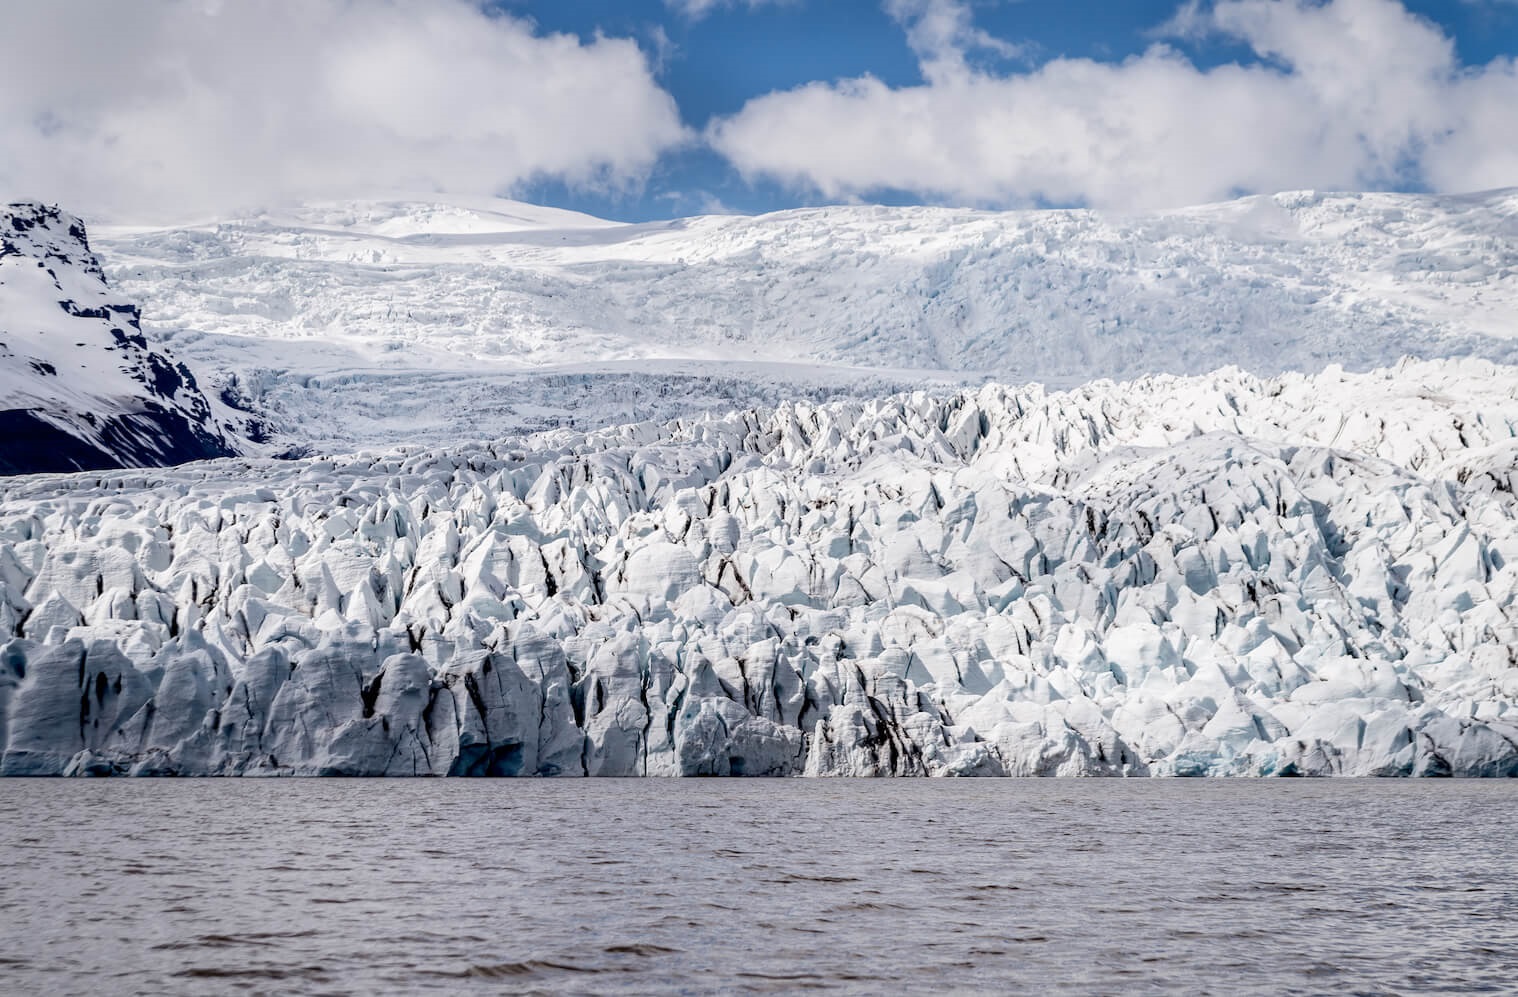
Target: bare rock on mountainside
81 386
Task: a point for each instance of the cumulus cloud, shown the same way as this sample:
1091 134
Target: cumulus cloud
942 33
185 105
1345 94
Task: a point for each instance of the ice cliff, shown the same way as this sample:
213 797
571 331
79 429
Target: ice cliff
81 387
1215 575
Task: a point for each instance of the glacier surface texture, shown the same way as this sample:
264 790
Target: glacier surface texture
342 324
1212 575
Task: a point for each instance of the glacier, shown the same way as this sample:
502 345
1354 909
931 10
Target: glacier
1216 574
342 322
505 490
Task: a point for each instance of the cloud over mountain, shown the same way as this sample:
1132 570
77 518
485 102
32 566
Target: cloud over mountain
189 105
1345 94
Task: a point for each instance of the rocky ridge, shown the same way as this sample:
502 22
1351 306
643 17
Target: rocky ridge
81 386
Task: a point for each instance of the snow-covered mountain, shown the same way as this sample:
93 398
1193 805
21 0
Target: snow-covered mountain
315 312
81 387
1209 575
1198 571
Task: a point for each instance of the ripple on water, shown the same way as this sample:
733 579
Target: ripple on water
335 886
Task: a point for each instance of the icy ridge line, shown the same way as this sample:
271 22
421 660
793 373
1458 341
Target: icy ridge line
1214 575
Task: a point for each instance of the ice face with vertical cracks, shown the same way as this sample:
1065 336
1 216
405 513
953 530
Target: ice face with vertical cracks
1214 575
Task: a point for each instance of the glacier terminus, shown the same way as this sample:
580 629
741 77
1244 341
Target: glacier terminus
821 523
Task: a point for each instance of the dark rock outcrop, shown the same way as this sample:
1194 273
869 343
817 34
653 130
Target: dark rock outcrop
81 387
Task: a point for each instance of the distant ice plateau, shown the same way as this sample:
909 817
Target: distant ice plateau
773 496
343 324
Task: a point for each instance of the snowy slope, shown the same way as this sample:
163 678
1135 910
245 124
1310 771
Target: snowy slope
305 312
1210 575
80 384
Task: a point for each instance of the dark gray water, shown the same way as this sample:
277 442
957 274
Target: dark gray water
634 886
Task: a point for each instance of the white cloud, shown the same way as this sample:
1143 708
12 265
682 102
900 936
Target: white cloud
185 105
1349 93
942 32
695 10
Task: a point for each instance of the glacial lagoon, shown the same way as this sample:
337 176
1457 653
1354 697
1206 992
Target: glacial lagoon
702 886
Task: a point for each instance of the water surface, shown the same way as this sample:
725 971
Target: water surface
335 886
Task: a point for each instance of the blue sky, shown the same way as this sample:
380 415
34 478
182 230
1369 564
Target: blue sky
644 109
713 64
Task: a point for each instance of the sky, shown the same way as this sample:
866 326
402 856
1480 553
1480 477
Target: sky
647 109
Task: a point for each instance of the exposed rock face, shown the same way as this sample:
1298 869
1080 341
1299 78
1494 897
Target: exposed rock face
80 386
1210 576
